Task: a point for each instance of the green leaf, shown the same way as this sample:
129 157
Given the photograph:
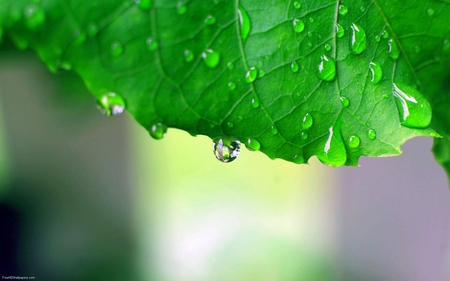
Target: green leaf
335 79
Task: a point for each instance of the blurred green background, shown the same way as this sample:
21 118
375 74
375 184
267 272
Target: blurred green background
88 197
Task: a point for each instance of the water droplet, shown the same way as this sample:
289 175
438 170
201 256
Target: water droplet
326 68
230 65
92 29
230 125
413 107
376 71
430 12
210 20
295 67
307 121
385 34
345 101
273 130
343 10
327 47
260 63
262 73
298 159
339 31
34 15
371 134
446 46
80 37
304 135
353 141
267 58
116 48
334 152
252 144
358 39
298 25
226 151
152 44
359 117
145 4
111 104
310 44
244 21
362 9
393 49
311 20
211 58
367 124
385 96
416 49
231 86
181 8
310 34
255 103
297 5
158 130
377 38
188 55
251 74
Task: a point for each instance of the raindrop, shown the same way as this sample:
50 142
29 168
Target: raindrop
345 101
158 130
231 86
262 73
304 135
393 49
371 134
226 151
416 49
145 4
230 65
358 39
210 20
385 34
252 144
34 15
251 74
273 130
116 48
188 55
181 8
255 103
298 159
298 25
211 58
353 141
377 38
385 96
311 20
151 43
326 68
230 125
430 12
327 47
111 104
339 31
307 121
260 63
362 9
310 44
80 37
413 107
297 5
244 21
334 152
92 29
295 67
376 71
343 10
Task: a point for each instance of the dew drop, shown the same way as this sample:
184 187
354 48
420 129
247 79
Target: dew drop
358 39
111 104
393 49
297 5
417 49
298 25
116 48
251 75
252 144
230 125
413 107
244 21
273 130
188 55
385 96
327 47
385 34
298 159
326 68
307 121
295 67
181 8
261 74
230 65
310 44
151 43
260 63
345 101
210 20
145 4
34 15
211 58
430 12
446 46
92 29
376 71
371 134
339 30
304 135
255 103
334 152
353 141
158 130
80 37
311 20
226 151
231 86
343 10
377 38
267 58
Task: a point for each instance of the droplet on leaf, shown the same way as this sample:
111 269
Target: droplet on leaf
210 20
181 8
371 134
413 107
34 15
358 39
343 10
273 130
353 141
111 104
295 67
376 71
151 43
307 121
339 31
297 5
231 86
326 68
244 21
393 49
211 58
345 101
158 130
255 103
251 75
116 48
252 144
298 25
188 55
145 4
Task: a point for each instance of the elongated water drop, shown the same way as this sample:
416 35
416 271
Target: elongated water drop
393 49
413 107
251 75
262 73
353 141
255 103
377 38
244 21
376 71
211 58
295 67
34 15
226 151
326 68
145 4
111 104
345 101
252 144
334 152
307 121
339 31
298 25
151 43
210 20
273 130
358 40
158 130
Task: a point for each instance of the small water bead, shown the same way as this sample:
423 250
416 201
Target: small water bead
251 75
255 103
260 63
298 25
343 10
273 130
210 20
111 104
311 20
295 67
417 49
158 130
393 49
310 44
92 29
252 144
188 55
80 37
297 5
34 15
368 124
327 47
230 125
345 101
116 48
307 121
181 8
298 159
358 39
377 38
385 34
385 96
310 34
244 21
414 109
145 4
231 86
151 43
376 71
326 68
359 117
226 151
230 65
339 30
267 58
304 135
353 141
371 134
261 74
211 58
430 12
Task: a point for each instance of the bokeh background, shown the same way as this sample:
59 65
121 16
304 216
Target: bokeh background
89 197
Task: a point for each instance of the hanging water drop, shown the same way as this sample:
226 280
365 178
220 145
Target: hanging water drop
111 104
244 21
188 55
326 68
393 49
334 152
358 39
298 25
413 107
211 58
251 75
151 43
226 151
339 30
307 121
353 141
158 130
252 144
376 71
295 67
116 48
